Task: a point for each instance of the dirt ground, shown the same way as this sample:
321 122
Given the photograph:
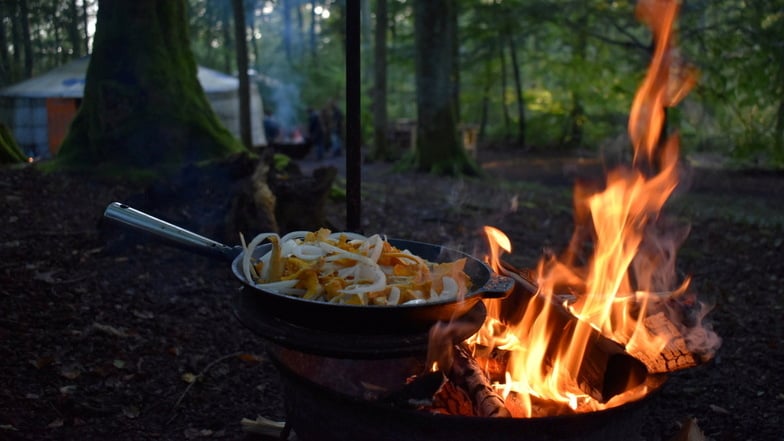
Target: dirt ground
124 341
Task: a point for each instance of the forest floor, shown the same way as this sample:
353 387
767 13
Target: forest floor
140 342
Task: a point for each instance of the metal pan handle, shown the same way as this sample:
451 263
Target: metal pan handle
179 236
497 287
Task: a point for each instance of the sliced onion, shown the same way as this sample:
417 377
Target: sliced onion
308 252
248 253
379 283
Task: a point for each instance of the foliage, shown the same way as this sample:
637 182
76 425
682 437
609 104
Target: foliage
586 55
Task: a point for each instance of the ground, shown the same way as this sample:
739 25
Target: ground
108 339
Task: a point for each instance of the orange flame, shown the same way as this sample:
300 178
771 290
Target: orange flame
630 266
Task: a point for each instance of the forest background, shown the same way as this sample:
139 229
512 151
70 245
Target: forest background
533 74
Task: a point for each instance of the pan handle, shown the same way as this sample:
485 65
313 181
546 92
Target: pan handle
497 287
179 236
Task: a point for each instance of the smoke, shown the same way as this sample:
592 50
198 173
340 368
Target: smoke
286 99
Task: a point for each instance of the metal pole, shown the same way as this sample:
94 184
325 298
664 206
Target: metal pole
353 126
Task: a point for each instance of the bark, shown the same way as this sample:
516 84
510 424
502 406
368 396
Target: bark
469 376
438 147
380 148
143 107
242 72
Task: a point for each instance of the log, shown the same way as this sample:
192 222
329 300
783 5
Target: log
606 370
466 373
675 356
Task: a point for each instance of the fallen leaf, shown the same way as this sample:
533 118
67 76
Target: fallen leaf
189 377
46 276
56 423
251 358
719 409
111 330
131 411
143 314
8 427
119 364
71 372
66 390
42 362
689 431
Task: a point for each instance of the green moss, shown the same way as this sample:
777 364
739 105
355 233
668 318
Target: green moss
10 153
143 107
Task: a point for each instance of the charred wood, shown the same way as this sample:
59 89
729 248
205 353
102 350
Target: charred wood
466 373
606 370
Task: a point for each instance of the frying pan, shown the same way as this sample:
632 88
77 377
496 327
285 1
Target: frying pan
319 315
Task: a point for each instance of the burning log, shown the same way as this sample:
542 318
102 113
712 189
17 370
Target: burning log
466 373
606 369
675 356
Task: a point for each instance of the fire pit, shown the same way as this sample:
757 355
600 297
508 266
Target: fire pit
318 412
339 386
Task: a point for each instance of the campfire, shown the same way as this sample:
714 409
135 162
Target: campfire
590 328
577 346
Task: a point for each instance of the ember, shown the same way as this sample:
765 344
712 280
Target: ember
563 341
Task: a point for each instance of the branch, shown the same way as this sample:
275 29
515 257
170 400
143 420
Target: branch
199 377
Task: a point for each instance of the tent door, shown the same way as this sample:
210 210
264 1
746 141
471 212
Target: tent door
59 114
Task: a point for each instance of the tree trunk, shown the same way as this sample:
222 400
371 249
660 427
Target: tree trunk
519 92
5 56
287 34
27 41
313 51
229 45
242 72
143 105
380 149
72 28
85 20
504 109
438 147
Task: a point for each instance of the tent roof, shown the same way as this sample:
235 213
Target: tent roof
67 81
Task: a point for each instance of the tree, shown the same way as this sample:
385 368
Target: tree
143 106
242 72
380 149
438 147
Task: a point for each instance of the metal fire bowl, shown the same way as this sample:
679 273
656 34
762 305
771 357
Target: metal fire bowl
317 412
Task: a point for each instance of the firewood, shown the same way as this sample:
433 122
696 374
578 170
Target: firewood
468 375
606 369
675 356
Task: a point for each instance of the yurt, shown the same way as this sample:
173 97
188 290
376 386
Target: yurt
40 110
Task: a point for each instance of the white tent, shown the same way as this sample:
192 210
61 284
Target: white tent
39 110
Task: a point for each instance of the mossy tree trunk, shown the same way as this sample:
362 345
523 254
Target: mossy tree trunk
438 147
143 107
10 153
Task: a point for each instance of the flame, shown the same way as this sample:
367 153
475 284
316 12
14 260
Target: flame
630 271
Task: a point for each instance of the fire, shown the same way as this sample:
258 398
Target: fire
626 282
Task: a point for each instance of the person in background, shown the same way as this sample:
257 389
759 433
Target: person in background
335 128
316 132
271 127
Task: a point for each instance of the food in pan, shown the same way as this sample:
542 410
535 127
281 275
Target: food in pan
349 268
